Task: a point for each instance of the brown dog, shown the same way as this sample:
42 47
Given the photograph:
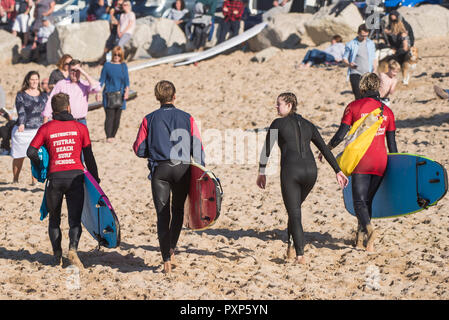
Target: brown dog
407 66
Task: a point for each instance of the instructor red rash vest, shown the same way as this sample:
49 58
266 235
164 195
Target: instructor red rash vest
375 159
64 141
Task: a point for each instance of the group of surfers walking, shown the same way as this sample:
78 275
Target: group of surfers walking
170 171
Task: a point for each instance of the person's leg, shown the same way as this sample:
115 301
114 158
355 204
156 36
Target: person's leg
161 198
224 29
16 168
180 190
364 186
355 85
54 196
124 40
109 122
75 203
291 195
116 123
307 57
235 28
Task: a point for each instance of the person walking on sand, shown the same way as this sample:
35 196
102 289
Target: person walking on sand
294 134
168 137
360 57
78 91
65 140
388 81
368 173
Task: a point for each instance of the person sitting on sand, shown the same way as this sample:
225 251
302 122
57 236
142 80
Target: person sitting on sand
388 81
334 53
169 164
65 176
368 173
294 134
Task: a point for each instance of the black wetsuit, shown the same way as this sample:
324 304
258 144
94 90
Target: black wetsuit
298 167
364 186
71 184
175 177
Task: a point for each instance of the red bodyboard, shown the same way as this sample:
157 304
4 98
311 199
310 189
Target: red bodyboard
203 204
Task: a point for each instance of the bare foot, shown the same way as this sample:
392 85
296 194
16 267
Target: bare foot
172 257
359 239
301 260
167 268
291 253
74 259
371 237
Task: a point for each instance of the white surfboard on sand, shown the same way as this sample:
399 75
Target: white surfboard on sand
169 59
226 45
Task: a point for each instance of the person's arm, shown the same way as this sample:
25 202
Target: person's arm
33 154
339 136
48 109
126 93
90 162
94 84
391 141
270 140
21 114
50 11
405 41
318 141
346 55
140 146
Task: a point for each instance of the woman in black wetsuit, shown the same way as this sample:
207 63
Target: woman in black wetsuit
298 168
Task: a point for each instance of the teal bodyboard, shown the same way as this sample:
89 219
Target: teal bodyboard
411 183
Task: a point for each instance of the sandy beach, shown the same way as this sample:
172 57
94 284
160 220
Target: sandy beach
243 255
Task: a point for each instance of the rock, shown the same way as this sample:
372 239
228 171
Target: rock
266 54
84 41
9 47
427 21
156 38
284 30
324 25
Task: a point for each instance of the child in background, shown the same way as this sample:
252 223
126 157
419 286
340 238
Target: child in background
388 81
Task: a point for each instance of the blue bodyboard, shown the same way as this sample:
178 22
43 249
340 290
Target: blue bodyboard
411 183
98 216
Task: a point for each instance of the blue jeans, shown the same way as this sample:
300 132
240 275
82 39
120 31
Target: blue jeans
316 56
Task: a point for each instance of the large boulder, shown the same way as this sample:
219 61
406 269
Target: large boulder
84 41
284 30
9 47
427 21
156 37
326 23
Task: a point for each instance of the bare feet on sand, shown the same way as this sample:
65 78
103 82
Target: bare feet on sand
291 253
74 260
371 237
167 268
301 260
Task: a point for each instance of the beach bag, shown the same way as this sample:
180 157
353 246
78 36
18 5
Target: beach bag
114 100
359 140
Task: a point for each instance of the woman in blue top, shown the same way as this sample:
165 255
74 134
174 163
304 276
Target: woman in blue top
114 77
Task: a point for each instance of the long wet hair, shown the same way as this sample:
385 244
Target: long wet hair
26 81
289 97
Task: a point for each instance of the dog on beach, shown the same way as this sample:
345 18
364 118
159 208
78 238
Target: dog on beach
409 64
